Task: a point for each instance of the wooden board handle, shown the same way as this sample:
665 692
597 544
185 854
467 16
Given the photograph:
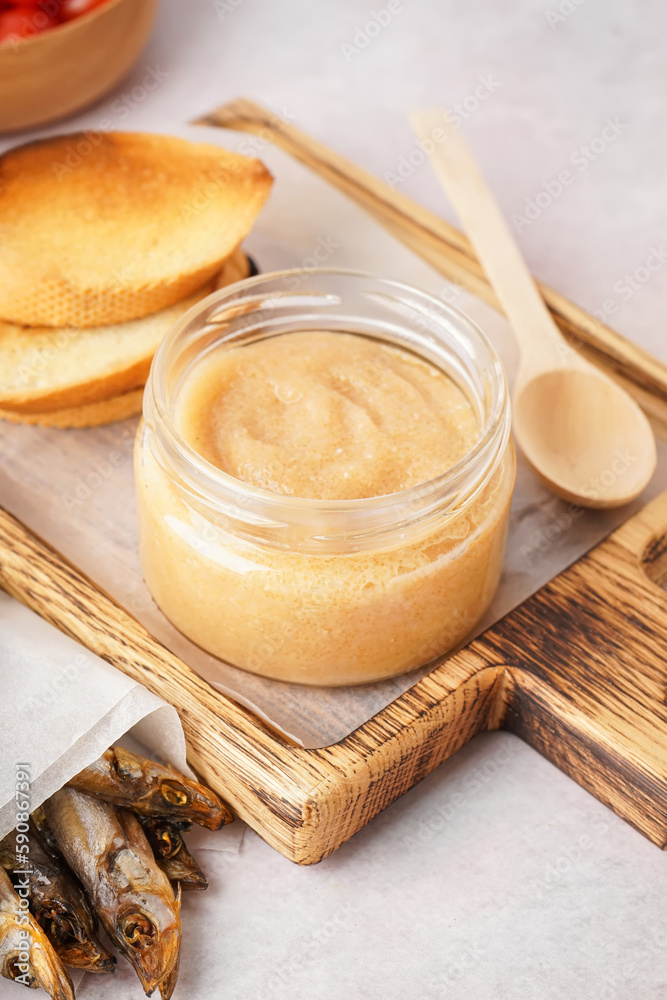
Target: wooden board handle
587 657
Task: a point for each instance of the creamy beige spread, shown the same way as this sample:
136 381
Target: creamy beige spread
326 416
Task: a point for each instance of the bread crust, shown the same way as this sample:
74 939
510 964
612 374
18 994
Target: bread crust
105 228
108 411
69 368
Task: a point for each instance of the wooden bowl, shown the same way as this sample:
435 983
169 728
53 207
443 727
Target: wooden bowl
62 70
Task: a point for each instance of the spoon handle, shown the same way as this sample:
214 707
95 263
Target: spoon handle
541 343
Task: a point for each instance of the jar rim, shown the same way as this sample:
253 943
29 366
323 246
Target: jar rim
206 477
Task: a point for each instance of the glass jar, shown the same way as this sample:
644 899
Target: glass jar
324 592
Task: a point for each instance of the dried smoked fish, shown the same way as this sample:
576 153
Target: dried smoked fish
26 955
150 789
108 851
58 904
171 853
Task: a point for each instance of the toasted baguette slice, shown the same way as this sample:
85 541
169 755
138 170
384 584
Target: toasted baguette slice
107 228
108 411
43 370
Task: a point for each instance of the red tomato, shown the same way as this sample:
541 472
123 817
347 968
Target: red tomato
12 25
24 20
74 8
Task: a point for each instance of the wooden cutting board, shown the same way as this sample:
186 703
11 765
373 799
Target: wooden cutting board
579 671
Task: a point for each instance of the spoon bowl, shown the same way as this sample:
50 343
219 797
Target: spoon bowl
584 436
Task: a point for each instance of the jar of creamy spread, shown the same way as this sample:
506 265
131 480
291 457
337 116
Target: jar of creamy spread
324 476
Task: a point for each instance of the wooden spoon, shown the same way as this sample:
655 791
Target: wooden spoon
581 432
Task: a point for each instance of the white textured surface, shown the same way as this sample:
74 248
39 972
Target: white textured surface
493 894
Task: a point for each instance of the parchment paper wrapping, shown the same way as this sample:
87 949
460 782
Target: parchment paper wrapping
61 707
